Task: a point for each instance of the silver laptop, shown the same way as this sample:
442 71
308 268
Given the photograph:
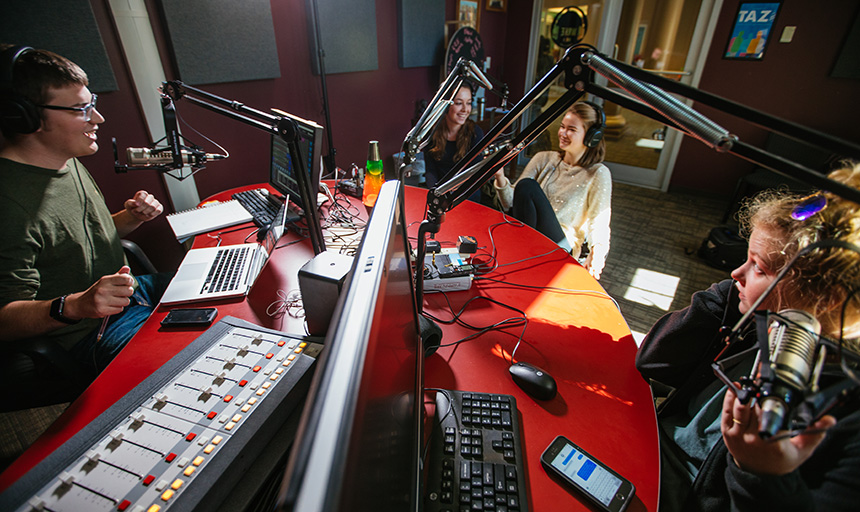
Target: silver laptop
222 272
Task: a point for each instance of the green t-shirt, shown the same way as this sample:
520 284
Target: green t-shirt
57 237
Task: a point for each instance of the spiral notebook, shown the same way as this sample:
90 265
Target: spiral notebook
188 223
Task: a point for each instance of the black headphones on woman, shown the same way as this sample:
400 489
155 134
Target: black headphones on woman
594 134
17 113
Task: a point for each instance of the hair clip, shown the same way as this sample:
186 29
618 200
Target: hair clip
809 206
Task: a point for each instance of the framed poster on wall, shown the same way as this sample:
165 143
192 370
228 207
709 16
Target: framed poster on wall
469 13
497 5
752 30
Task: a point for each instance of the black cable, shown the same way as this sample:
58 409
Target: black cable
508 322
570 291
842 361
449 411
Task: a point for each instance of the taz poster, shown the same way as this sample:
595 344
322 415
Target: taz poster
752 30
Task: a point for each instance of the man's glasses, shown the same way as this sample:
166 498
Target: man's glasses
87 110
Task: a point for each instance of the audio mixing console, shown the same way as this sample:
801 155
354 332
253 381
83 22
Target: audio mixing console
181 439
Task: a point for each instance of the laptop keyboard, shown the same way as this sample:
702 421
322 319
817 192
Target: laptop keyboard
226 271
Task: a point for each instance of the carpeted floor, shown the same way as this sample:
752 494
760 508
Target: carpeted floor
652 266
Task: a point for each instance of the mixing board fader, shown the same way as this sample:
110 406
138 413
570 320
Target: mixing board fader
182 435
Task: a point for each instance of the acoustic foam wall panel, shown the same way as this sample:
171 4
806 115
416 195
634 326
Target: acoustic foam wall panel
66 27
420 32
348 30
216 41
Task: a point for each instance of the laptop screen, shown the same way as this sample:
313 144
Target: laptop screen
276 230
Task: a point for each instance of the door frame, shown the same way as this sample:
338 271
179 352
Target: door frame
699 45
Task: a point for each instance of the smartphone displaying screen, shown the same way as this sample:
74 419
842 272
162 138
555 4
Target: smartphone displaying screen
189 317
602 486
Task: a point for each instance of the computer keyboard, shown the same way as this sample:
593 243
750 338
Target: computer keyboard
262 205
475 459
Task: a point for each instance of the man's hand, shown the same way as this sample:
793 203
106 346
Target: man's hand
137 210
143 206
108 296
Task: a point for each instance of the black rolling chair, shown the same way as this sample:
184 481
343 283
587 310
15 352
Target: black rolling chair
41 372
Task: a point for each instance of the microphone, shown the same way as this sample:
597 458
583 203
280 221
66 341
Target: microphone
149 156
793 340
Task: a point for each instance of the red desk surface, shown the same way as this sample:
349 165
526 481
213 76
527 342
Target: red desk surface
574 332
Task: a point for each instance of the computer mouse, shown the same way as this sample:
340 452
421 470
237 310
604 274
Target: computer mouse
534 381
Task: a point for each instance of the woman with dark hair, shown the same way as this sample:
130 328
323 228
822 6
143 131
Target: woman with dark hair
453 137
566 194
712 454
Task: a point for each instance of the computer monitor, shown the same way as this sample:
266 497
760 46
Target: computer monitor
282 172
358 444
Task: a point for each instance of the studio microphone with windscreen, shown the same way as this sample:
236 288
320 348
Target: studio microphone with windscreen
149 156
793 340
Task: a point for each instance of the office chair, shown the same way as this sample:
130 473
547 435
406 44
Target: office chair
41 372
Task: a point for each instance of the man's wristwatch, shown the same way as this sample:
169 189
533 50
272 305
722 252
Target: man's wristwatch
57 307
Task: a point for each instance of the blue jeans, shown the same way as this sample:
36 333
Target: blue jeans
122 327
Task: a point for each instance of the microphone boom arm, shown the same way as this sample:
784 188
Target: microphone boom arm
579 65
281 126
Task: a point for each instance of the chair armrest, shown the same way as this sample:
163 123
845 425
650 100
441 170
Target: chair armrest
51 353
135 253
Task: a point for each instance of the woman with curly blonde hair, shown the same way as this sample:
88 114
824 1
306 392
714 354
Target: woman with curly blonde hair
712 455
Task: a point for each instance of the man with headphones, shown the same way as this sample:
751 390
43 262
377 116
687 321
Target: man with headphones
63 272
566 194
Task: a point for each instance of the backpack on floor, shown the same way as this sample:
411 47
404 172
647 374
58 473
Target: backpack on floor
724 248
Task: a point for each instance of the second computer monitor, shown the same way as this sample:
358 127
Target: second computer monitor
359 442
282 173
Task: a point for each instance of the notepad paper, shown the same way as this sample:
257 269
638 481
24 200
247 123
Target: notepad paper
188 223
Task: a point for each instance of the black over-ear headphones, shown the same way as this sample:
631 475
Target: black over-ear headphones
17 113
594 134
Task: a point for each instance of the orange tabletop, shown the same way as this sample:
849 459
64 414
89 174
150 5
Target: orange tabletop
574 331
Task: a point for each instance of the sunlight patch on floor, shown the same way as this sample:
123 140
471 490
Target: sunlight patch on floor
652 288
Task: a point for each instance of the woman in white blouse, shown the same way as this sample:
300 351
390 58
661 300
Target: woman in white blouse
566 194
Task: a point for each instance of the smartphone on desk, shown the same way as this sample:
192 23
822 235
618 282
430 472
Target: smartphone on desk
189 317
590 477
